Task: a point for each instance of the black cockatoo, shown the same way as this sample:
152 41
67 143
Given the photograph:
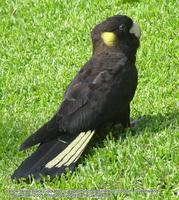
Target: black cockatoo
99 95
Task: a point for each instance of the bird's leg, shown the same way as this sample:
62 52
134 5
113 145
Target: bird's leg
102 131
125 120
125 117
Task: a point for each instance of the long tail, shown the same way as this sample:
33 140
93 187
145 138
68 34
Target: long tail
54 157
47 132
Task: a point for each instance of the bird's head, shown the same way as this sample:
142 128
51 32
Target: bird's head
118 32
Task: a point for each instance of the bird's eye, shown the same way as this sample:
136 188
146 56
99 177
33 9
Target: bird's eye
122 27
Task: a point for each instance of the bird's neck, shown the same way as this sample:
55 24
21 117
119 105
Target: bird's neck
101 48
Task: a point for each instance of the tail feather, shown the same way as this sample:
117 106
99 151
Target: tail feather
47 132
54 157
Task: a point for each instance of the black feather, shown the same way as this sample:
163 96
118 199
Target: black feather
100 94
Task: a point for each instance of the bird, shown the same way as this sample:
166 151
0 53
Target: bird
99 96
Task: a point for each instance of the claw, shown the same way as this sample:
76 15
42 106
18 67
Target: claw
136 122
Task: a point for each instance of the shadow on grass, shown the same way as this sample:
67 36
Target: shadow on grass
150 123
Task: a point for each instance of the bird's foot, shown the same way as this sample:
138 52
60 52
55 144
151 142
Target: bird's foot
136 122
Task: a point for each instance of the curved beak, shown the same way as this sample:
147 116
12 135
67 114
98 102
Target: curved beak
135 29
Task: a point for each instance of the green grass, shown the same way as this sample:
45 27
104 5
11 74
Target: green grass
42 46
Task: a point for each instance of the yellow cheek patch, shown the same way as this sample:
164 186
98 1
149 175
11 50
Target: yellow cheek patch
109 38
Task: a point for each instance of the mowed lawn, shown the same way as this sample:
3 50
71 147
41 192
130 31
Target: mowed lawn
42 46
